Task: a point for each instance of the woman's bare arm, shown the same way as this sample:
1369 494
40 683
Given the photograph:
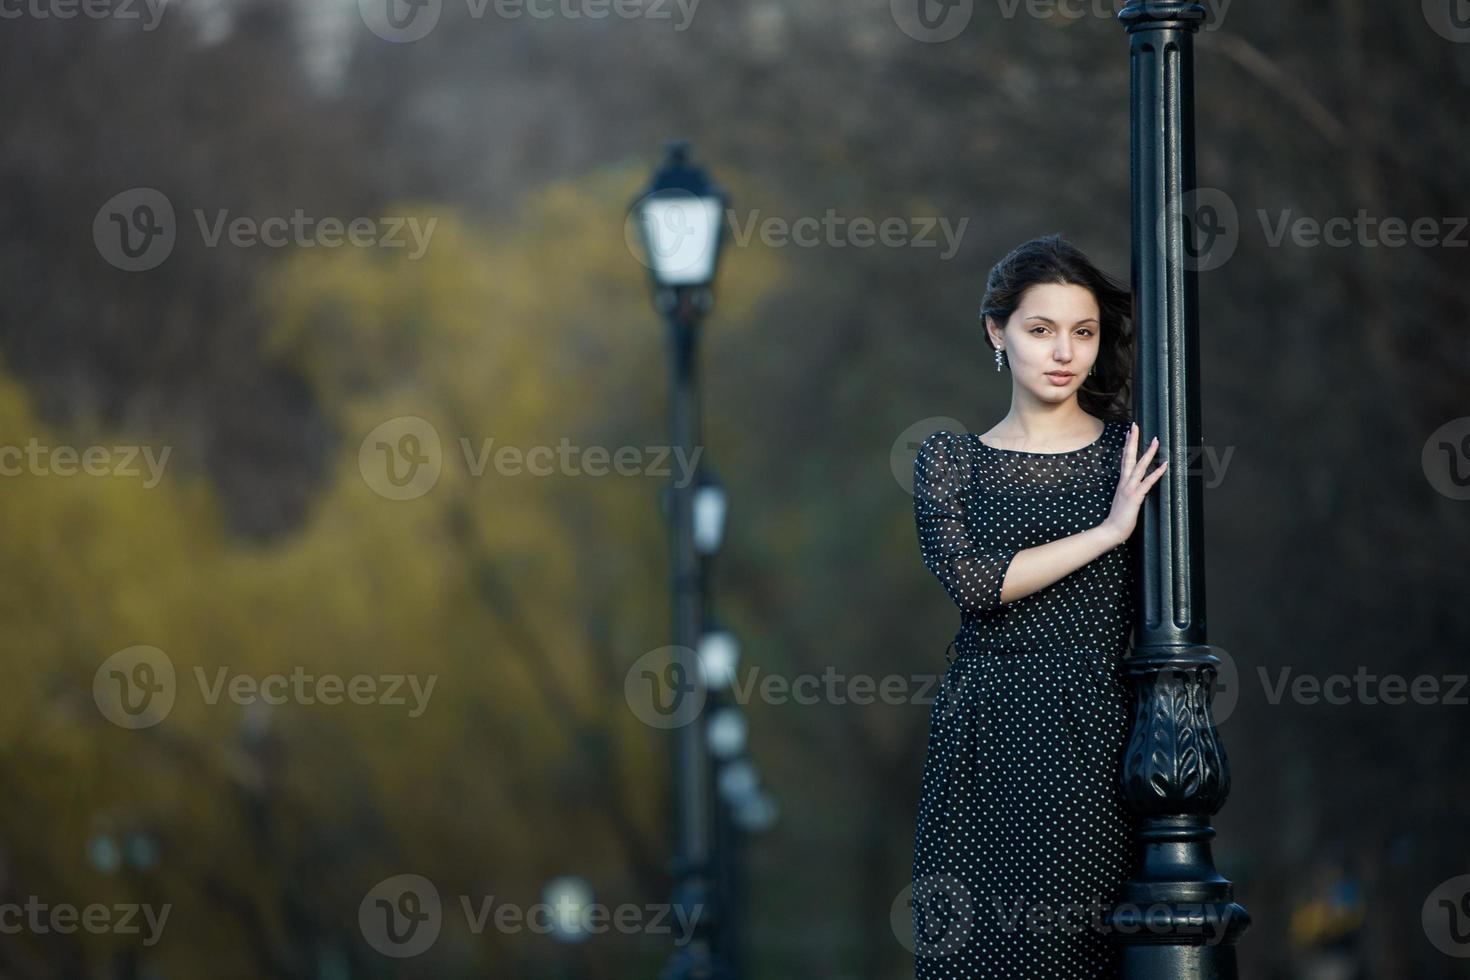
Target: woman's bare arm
1033 569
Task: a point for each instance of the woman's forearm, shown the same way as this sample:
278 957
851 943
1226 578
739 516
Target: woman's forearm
1032 569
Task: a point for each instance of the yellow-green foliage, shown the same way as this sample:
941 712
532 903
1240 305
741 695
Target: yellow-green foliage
528 597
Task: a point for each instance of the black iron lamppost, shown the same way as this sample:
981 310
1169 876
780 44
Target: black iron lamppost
719 657
725 733
680 218
1177 918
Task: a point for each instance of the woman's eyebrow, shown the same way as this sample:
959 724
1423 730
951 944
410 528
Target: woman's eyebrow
1038 316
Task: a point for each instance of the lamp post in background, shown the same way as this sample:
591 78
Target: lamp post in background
135 854
743 809
569 897
680 218
725 736
711 505
1178 919
719 657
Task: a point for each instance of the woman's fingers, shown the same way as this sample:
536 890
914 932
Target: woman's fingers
1137 468
1130 447
1144 485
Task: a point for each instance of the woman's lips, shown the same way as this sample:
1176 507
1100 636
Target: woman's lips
1059 379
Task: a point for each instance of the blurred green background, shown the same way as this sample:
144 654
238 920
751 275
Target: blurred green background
265 548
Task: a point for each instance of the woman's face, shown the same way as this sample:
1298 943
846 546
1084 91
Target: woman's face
1051 340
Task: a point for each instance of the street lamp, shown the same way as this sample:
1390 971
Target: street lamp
739 782
1175 775
719 658
728 733
740 796
756 812
568 897
710 507
679 230
679 219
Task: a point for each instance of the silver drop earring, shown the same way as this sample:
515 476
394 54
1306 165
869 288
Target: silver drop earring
997 358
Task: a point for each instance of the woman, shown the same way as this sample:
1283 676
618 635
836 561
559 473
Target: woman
1023 837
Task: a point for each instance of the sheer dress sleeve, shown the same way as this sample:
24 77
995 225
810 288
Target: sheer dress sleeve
972 575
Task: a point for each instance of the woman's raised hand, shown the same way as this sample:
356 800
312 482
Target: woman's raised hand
1133 484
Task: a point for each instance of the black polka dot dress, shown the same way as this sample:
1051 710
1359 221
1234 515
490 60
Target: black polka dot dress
1023 837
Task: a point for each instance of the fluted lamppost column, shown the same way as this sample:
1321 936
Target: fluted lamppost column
1176 917
680 218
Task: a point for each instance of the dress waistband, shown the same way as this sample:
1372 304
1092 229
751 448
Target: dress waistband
969 645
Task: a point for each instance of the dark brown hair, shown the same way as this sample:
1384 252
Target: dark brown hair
1052 259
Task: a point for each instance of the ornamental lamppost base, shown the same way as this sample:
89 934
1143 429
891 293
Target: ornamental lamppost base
1177 918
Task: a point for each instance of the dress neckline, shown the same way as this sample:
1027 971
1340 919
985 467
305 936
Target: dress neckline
1107 424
